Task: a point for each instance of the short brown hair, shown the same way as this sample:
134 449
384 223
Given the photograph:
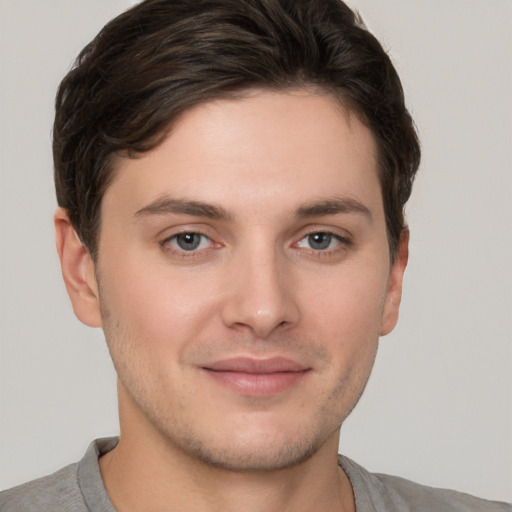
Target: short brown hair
162 57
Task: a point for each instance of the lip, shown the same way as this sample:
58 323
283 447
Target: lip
257 377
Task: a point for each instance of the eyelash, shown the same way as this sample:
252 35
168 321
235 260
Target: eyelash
342 243
183 253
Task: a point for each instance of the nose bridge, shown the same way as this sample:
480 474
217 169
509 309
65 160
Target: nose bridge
261 296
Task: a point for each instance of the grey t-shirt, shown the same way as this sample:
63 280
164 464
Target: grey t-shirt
79 488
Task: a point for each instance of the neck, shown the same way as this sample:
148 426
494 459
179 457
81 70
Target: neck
146 471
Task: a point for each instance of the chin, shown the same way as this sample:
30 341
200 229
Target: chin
248 458
253 448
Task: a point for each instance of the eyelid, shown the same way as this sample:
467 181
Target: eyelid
181 254
332 235
173 230
343 237
174 238
338 232
184 232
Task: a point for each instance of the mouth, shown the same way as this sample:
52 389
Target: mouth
257 377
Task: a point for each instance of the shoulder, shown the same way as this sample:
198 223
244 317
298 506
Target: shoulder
75 488
374 491
422 497
59 491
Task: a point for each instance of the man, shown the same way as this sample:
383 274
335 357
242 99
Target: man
231 178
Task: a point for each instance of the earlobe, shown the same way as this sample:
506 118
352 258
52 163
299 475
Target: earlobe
77 270
394 290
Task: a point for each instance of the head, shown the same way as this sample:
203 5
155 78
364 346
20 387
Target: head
235 173
160 59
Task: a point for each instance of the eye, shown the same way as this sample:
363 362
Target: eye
320 241
188 241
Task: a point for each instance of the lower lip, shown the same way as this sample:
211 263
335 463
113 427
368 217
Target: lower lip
257 384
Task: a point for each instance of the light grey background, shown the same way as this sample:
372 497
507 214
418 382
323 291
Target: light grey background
438 408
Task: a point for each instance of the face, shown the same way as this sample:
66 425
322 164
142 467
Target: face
244 278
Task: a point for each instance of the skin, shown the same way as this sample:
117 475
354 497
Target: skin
273 169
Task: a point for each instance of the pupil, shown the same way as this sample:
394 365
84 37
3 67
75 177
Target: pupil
320 240
188 241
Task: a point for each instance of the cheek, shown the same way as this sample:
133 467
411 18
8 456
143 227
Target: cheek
348 304
154 306
346 315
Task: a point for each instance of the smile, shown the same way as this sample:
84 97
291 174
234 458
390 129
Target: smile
257 377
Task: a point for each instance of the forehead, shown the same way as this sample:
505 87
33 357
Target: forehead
266 150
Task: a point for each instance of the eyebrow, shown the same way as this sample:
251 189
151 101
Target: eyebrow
167 205
333 206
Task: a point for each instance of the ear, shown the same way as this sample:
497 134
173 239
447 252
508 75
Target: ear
394 291
77 270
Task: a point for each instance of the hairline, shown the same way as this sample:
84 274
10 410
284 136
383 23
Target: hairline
344 106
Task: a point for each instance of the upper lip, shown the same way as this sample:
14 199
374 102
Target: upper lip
257 366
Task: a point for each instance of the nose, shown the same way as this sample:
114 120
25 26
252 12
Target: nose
261 295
